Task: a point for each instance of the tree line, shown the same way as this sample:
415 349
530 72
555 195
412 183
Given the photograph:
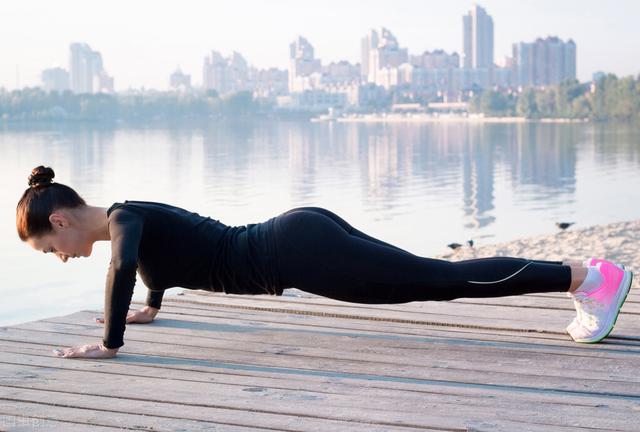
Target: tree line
36 104
608 98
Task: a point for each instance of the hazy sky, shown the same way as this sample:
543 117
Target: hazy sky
142 41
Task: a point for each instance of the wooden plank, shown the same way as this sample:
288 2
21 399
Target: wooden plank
260 317
27 354
373 410
390 326
266 318
317 364
490 373
360 347
137 414
16 422
438 313
73 408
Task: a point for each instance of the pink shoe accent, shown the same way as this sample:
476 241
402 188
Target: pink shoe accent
594 261
612 275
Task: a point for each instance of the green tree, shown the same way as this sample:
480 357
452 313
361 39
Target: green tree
526 105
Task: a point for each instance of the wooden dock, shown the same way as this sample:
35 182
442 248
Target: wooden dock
219 362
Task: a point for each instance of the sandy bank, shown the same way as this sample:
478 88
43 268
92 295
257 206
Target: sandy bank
618 241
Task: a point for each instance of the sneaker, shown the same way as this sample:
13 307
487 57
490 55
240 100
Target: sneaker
578 317
598 309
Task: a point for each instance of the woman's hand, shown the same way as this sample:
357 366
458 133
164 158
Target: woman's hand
142 316
87 351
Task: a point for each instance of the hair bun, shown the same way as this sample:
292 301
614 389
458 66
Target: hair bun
41 175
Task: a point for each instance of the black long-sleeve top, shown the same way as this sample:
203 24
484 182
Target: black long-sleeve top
173 247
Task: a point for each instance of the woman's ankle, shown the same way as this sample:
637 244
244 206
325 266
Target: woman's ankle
578 275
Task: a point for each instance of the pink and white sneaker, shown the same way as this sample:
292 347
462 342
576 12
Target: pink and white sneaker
578 317
598 308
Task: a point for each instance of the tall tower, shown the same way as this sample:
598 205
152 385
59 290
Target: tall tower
367 44
384 52
80 68
86 70
302 63
477 39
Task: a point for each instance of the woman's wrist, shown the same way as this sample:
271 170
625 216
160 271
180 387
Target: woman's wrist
151 311
112 351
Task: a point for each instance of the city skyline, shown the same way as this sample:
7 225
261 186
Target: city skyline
156 60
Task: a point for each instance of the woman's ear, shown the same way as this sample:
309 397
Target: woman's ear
58 220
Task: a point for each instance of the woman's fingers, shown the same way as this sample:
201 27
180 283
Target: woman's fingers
66 352
132 317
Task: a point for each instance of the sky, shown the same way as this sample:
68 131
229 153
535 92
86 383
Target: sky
143 41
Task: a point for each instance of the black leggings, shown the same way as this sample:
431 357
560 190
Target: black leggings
319 252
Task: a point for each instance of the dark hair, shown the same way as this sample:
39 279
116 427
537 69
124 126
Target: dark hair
42 198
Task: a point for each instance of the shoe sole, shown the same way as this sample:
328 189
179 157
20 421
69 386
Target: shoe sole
627 280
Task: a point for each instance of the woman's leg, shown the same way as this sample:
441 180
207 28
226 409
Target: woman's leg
319 252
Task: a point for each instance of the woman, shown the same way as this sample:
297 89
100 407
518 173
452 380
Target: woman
309 248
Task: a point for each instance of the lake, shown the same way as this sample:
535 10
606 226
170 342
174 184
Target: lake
418 186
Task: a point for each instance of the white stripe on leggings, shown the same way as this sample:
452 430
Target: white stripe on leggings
501 280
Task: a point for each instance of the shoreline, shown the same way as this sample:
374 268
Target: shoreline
420 118
617 241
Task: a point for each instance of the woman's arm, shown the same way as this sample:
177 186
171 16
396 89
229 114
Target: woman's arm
125 228
154 298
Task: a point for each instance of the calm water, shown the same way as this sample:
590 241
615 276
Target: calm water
416 186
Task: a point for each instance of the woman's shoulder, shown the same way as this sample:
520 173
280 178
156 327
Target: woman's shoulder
150 210
123 212
135 205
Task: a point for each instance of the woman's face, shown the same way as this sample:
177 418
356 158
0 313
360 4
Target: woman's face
66 240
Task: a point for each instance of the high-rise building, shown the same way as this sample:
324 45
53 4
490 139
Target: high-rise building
86 71
225 75
269 83
437 59
367 44
238 72
179 80
341 72
386 55
302 65
477 29
214 73
55 79
381 55
544 62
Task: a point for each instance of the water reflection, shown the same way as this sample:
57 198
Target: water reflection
419 186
